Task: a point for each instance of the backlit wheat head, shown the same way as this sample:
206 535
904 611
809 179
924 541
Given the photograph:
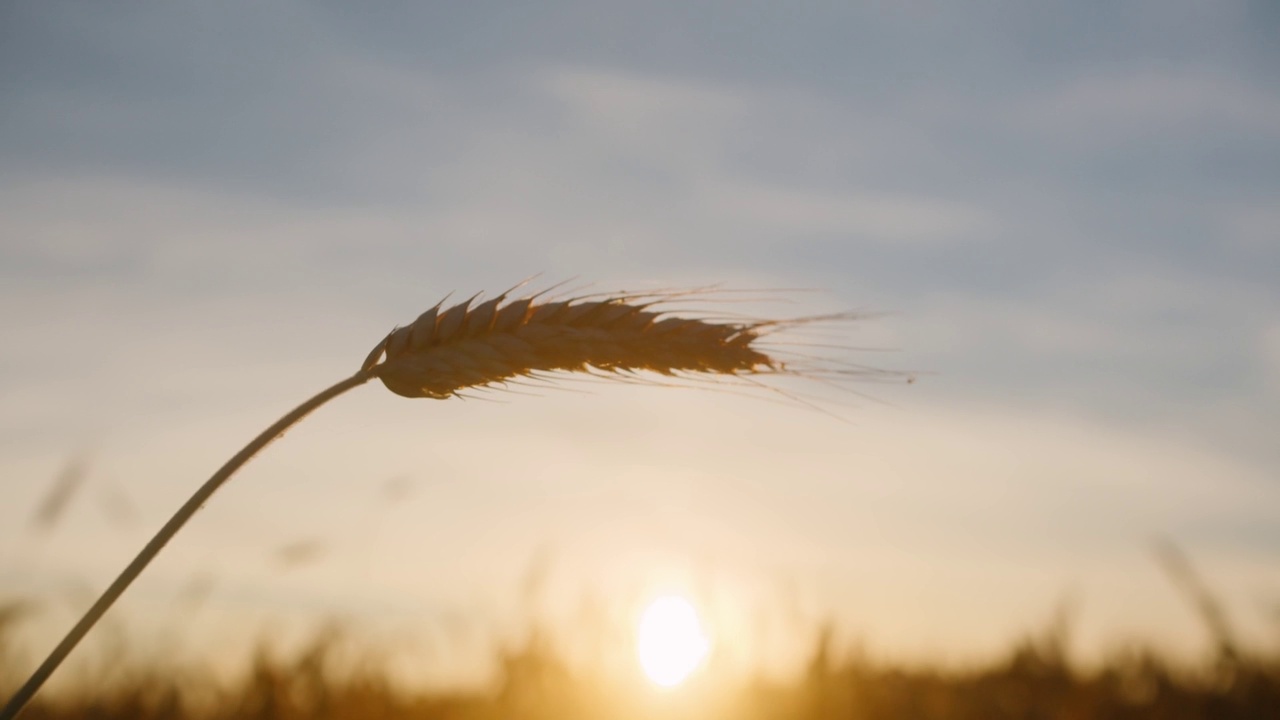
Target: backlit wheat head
445 351
495 342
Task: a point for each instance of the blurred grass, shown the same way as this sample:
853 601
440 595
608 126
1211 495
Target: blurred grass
332 678
326 680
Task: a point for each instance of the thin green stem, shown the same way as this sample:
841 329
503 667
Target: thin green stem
166 533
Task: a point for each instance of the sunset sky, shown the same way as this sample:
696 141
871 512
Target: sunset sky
1069 213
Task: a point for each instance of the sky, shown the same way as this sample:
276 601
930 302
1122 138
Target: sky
1064 215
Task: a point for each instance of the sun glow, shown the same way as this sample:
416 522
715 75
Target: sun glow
670 643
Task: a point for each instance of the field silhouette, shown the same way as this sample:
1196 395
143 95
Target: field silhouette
338 673
331 677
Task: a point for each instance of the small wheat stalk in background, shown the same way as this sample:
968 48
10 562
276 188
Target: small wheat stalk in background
446 351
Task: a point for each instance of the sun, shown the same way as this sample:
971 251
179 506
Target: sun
670 643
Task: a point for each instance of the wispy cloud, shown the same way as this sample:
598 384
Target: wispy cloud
859 215
1128 103
1269 350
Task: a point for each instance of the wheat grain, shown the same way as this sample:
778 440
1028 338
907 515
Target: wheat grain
445 351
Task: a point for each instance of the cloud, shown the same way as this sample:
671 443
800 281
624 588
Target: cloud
788 213
629 102
1122 105
1270 357
1253 228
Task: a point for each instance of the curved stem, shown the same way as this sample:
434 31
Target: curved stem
166 533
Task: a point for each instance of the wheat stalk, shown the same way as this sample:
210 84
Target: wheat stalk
465 346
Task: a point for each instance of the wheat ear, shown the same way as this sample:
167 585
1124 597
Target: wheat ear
443 352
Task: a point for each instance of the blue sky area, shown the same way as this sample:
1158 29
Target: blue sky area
1070 211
